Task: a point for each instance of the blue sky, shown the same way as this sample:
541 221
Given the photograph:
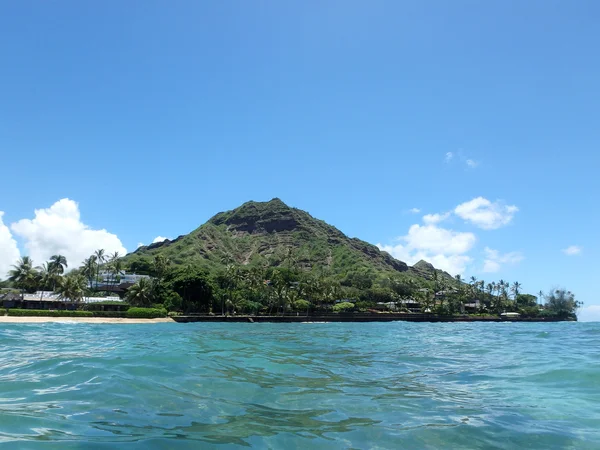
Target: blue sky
153 116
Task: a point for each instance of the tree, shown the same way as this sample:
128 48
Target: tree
116 269
58 264
89 269
562 303
541 296
515 289
161 266
23 275
526 301
141 293
72 287
46 278
193 286
100 259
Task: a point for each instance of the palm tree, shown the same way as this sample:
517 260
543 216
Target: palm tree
100 259
515 289
291 258
72 287
490 291
58 263
89 269
23 274
541 296
161 266
141 293
57 266
117 268
47 278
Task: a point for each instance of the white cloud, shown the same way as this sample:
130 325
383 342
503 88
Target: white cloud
59 230
9 252
140 244
486 214
471 163
414 210
445 249
159 239
589 313
432 219
449 156
494 259
572 250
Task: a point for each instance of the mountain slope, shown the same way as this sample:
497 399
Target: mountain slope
269 233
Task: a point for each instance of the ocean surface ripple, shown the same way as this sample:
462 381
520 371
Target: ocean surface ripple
318 386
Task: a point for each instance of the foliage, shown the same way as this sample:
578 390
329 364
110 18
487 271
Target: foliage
173 301
116 314
23 275
364 305
72 287
562 303
193 287
141 293
146 313
301 305
271 234
529 311
526 300
100 305
48 313
343 307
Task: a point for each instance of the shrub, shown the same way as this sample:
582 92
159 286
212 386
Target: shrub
547 313
110 314
122 306
48 313
529 311
301 305
365 305
146 313
343 307
173 301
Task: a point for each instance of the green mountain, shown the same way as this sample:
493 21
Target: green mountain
274 234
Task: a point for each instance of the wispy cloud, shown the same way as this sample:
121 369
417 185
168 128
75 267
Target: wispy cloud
494 259
414 210
486 214
572 250
432 219
462 158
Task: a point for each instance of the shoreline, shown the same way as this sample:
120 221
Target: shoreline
272 319
48 319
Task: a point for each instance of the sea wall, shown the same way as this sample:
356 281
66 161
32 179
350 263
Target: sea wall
357 318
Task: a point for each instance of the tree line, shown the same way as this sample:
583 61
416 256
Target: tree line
279 290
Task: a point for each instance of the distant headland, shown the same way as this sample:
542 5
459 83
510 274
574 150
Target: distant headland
266 259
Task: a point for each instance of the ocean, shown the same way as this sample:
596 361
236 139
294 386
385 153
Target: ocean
300 386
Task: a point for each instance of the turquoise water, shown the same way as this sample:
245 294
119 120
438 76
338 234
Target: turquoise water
317 386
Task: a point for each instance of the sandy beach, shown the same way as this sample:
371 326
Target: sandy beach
35 319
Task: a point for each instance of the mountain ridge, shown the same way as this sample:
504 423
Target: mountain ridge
274 234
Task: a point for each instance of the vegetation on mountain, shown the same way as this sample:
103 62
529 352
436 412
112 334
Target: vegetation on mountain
269 234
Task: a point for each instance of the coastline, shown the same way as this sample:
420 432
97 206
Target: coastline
46 319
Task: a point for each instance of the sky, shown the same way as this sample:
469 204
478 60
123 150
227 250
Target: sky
464 133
